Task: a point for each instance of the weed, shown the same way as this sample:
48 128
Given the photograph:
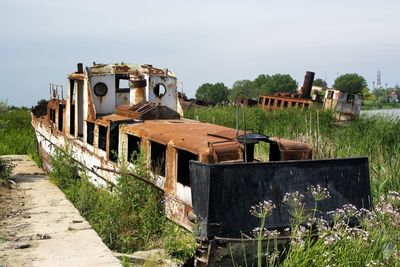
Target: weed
6 168
314 241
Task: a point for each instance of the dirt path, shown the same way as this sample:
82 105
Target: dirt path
35 214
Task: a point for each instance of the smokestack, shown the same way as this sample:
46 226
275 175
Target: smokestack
137 90
307 85
80 68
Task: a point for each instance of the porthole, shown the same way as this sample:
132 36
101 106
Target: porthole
100 89
159 90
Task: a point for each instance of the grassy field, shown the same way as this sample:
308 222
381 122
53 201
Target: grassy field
131 218
16 133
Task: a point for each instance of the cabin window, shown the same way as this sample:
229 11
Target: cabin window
102 137
100 89
279 103
90 132
330 95
52 115
350 98
71 89
60 117
159 90
122 83
293 104
72 120
158 155
133 147
272 102
183 173
114 136
285 104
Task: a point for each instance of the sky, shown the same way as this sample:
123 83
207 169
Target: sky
41 41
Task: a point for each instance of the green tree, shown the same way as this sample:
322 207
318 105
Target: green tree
277 83
320 83
367 95
243 87
350 82
212 93
381 95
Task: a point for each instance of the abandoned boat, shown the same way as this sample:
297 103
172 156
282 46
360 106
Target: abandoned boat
346 106
207 172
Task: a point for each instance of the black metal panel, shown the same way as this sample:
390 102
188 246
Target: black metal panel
222 194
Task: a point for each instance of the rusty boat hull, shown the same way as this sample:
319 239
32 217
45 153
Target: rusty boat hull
208 173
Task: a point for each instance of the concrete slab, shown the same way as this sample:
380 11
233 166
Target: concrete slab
43 218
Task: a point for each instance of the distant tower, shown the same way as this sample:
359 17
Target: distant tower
378 79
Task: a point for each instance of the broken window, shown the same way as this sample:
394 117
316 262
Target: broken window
72 120
330 95
60 117
272 102
52 115
278 105
158 155
102 144
183 173
90 132
133 147
72 108
122 83
159 90
114 137
285 103
350 98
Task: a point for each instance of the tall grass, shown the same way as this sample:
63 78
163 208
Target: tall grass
16 133
377 137
130 218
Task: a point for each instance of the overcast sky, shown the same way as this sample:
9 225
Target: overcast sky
201 41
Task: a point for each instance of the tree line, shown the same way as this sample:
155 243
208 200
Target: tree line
266 84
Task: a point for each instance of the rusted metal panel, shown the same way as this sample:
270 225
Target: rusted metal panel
292 150
281 102
147 111
187 134
123 68
347 106
224 191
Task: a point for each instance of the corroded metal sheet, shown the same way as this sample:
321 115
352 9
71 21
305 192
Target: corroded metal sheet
222 192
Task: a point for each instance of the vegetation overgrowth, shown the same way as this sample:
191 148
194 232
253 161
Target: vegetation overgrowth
374 240
350 237
16 134
377 137
130 218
